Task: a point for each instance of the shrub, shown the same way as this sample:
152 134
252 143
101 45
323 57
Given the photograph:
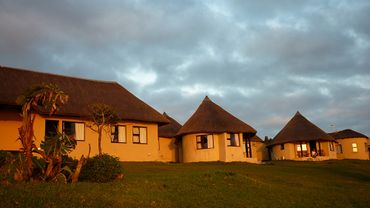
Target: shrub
103 168
3 157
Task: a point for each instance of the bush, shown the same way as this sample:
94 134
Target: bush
3 157
103 168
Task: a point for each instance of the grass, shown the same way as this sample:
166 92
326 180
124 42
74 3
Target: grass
275 184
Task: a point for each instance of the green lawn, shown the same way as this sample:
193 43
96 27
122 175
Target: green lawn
275 184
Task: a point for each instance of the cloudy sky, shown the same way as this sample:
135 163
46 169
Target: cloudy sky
260 60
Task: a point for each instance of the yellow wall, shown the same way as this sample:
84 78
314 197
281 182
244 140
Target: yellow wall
9 135
168 150
362 148
220 152
192 154
125 151
290 152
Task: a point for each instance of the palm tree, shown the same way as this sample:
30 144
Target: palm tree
41 99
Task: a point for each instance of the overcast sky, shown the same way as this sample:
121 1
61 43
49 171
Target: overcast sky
260 60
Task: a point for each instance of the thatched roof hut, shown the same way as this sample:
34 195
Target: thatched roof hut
81 92
300 129
211 118
347 133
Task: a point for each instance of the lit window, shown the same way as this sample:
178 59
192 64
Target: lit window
204 141
354 147
139 135
74 130
304 147
118 134
233 140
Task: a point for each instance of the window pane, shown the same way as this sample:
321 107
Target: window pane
135 139
122 134
136 130
304 147
237 140
69 128
51 128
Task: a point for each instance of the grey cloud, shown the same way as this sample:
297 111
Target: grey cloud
260 60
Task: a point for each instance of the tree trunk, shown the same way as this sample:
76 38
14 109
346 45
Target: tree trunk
76 174
100 129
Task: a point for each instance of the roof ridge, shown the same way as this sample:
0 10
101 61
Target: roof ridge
57 75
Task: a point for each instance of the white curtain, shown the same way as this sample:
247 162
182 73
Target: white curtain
122 134
143 138
80 131
210 141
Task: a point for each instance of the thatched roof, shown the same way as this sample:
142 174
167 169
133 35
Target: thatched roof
300 129
347 133
211 118
81 92
169 130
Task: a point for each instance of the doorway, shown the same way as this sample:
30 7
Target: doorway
313 149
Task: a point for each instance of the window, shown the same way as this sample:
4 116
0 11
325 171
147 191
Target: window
51 128
331 145
233 140
354 147
304 147
366 147
302 150
74 130
339 149
139 135
204 141
118 134
282 146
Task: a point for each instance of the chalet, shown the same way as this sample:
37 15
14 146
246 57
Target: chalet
351 144
134 138
213 134
300 139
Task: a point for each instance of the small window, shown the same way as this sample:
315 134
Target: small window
204 141
331 145
74 130
354 147
339 149
139 135
233 140
51 128
118 134
282 146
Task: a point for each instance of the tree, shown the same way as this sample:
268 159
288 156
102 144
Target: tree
41 99
102 115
